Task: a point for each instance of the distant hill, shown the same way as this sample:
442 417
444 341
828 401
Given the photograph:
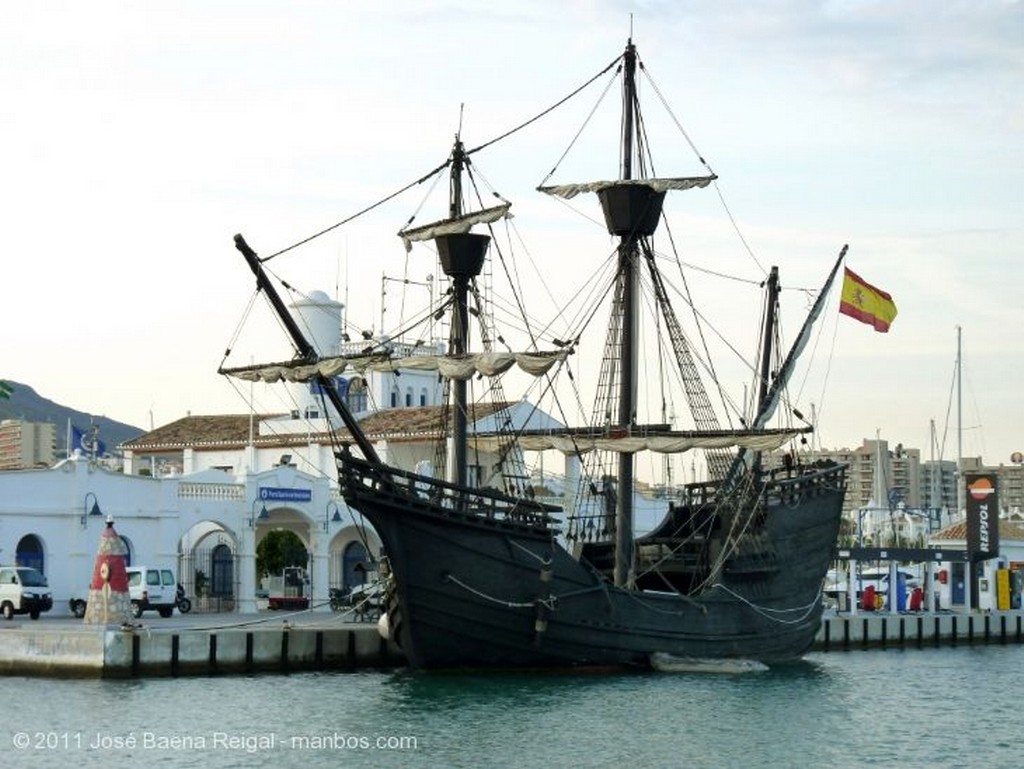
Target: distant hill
26 404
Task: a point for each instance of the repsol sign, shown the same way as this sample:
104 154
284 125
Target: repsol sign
982 516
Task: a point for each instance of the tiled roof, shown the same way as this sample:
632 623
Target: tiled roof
958 531
230 430
418 422
219 430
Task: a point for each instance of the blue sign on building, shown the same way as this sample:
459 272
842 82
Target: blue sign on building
270 493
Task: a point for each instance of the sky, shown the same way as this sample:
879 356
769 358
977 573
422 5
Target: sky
138 138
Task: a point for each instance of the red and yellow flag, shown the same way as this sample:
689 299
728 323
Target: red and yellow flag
866 303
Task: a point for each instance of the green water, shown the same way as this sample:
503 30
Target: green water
916 708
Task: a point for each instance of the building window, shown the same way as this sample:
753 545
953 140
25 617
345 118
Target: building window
408 396
423 397
357 395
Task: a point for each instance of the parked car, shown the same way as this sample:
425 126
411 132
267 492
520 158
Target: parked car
152 590
148 590
23 590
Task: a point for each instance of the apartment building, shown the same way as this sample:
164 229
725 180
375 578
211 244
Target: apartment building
27 444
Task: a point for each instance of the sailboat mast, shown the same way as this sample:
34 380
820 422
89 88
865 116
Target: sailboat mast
629 270
960 495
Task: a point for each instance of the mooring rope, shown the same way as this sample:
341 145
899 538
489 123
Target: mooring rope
768 612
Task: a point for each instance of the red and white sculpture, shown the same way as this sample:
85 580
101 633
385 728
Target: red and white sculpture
108 591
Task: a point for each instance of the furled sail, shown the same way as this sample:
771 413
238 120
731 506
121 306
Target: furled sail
670 443
458 224
658 185
462 367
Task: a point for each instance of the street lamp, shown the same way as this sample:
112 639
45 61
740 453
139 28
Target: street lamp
328 518
264 515
89 512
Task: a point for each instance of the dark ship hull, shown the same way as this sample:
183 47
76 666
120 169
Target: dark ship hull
483 583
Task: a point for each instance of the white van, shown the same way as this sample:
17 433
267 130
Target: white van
23 590
152 589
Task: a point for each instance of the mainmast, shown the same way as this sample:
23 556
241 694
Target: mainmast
631 212
629 270
462 258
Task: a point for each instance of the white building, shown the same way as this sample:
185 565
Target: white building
204 525
200 494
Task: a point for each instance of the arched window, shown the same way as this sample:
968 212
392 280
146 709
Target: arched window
423 397
394 397
30 553
408 396
357 395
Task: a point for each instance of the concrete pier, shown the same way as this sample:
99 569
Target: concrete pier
844 632
178 647
226 644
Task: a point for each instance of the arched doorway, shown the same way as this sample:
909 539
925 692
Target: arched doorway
206 566
30 553
222 566
282 565
354 561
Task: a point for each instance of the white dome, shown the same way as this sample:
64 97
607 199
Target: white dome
316 298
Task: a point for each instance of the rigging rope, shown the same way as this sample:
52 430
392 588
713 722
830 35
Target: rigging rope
441 167
700 157
668 109
579 133
356 215
550 109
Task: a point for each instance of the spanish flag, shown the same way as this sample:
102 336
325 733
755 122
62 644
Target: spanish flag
866 303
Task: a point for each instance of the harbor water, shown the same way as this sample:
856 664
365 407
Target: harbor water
931 708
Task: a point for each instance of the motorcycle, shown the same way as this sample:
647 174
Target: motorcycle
339 599
184 605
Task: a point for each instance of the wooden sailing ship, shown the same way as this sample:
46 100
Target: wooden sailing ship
485 577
